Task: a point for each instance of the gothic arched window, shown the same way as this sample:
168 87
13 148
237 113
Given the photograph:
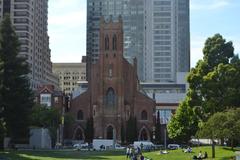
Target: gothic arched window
144 115
80 115
110 97
106 43
114 42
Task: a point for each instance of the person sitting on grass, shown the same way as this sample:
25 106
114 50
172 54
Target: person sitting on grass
200 155
188 150
163 152
205 155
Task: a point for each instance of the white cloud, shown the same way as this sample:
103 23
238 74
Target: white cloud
208 4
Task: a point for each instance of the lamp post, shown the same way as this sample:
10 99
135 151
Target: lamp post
165 137
114 138
154 134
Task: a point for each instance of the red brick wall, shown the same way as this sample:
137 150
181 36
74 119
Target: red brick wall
123 79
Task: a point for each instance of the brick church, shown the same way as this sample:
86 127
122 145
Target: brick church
113 93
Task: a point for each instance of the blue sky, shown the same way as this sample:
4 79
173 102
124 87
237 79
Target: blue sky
67 26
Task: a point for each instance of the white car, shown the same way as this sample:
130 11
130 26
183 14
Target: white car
79 146
173 146
143 144
119 147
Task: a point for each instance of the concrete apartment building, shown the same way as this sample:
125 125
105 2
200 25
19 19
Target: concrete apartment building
69 74
29 18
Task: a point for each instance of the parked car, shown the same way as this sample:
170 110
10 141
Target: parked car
80 146
173 146
146 145
119 147
158 146
102 144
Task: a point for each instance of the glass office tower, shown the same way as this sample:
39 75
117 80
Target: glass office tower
167 39
132 13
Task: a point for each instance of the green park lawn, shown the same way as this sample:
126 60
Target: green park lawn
221 154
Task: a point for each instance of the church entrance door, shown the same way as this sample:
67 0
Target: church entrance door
109 132
144 135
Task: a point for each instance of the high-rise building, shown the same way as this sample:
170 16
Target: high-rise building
132 12
156 32
167 39
70 75
30 20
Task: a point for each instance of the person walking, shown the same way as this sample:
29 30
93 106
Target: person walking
141 157
128 152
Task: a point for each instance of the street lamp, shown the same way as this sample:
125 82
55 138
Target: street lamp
154 134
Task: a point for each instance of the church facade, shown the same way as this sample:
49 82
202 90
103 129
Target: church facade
113 94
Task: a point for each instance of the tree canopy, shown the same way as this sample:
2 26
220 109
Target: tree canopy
214 86
49 118
16 95
183 124
213 82
222 125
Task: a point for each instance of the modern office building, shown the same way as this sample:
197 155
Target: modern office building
132 12
30 20
70 75
156 32
167 39
167 95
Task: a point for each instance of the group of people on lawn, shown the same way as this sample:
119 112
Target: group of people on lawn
134 154
201 156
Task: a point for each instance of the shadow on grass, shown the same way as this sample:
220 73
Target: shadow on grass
11 156
228 158
33 155
230 149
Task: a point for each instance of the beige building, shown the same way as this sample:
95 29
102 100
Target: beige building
30 20
70 74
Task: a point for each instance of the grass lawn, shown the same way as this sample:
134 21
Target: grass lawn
221 154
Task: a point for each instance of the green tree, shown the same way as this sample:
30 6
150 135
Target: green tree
2 123
158 129
206 82
213 83
222 125
131 130
89 131
184 124
2 132
47 117
17 97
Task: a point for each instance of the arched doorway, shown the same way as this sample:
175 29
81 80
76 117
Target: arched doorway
109 132
144 135
79 135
